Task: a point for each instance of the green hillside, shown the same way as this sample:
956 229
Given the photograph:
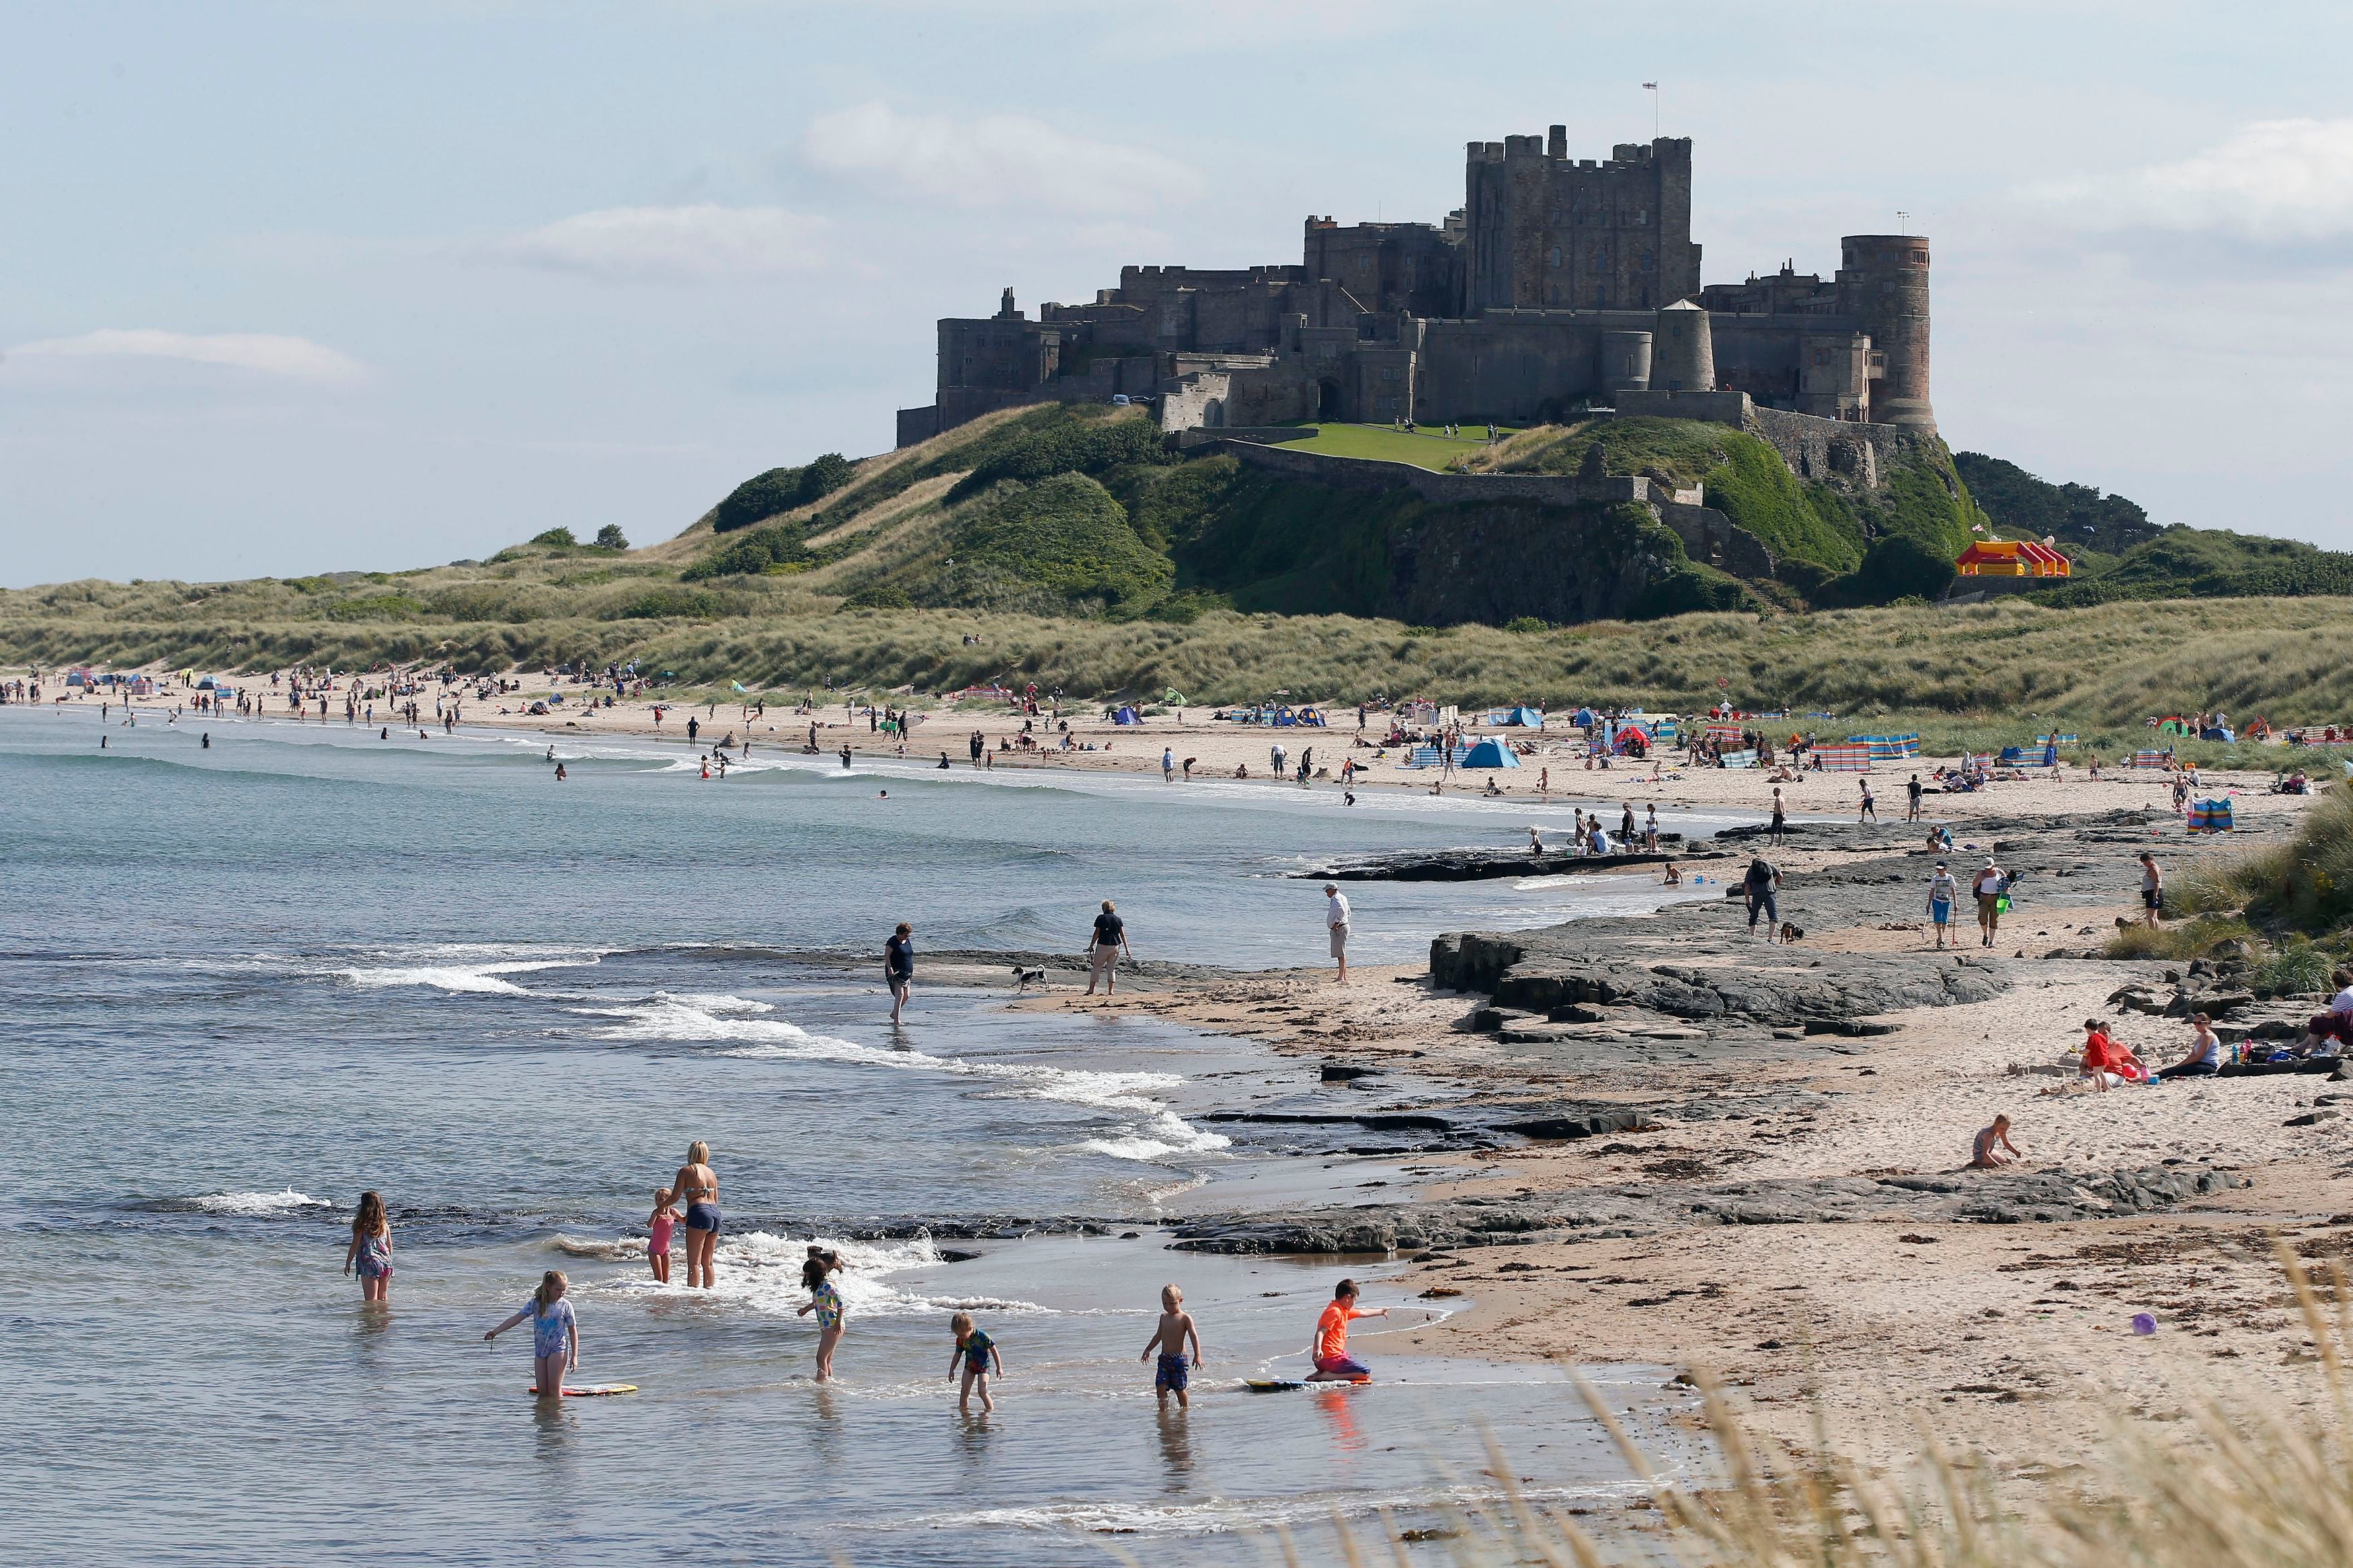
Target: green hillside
1071 545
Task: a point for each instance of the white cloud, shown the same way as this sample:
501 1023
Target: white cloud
994 160
2280 181
265 353
700 244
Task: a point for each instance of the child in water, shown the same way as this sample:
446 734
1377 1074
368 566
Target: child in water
1332 1362
1173 1374
979 1353
825 1301
369 1252
554 1335
658 1227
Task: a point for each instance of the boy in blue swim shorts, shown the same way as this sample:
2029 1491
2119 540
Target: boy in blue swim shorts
1173 1374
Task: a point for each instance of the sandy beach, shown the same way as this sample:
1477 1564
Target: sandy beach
2023 1329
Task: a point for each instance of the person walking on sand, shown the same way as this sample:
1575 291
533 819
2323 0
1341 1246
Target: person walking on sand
1943 891
1335 925
698 1184
1912 793
2152 889
825 1301
1986 1152
1650 829
1868 810
1763 881
1104 949
1781 819
1986 886
554 1335
899 968
370 1253
1173 1374
1167 765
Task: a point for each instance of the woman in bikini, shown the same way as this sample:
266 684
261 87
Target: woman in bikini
698 1185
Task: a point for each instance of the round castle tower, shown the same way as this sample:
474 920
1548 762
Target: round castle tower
1683 355
1882 284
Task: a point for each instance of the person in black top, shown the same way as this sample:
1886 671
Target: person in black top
1913 790
693 725
1109 939
898 967
1763 877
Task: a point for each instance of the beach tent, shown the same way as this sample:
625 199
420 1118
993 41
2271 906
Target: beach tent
1631 742
1522 718
2208 816
1490 753
1126 716
2010 558
2173 725
2216 733
1175 698
1584 718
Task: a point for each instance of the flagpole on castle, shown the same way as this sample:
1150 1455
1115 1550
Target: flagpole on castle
1652 88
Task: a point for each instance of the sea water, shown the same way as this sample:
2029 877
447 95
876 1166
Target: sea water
244 984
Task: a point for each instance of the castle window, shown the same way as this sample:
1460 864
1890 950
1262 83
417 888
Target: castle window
1921 257
1556 255
1364 264
1650 262
1388 372
1821 356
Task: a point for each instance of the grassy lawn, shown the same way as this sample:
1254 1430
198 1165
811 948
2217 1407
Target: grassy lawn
1424 448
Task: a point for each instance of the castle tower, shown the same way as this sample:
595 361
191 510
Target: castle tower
1625 363
1682 355
1883 285
1545 231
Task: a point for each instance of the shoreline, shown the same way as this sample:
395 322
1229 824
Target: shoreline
2017 1322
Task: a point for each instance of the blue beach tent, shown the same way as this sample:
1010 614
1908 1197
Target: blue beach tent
1490 753
1524 718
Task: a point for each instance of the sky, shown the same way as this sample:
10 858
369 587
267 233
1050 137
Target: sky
289 286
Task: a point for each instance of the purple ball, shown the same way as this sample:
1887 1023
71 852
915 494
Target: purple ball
2144 1324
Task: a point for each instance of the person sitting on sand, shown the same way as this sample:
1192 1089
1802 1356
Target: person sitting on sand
2205 1055
2100 1054
1987 1153
1672 876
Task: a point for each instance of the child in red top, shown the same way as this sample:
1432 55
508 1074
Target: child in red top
2103 1059
1332 1362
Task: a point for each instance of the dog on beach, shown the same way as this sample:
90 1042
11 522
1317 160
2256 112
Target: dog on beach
1025 978
1791 933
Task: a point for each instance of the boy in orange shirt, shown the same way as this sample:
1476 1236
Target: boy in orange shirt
1332 1362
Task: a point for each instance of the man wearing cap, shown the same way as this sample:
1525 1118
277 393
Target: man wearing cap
1987 886
1943 891
1335 921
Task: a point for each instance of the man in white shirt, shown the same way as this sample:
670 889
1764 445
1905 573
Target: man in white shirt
1335 922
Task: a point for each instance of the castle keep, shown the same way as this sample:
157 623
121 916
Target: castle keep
1560 284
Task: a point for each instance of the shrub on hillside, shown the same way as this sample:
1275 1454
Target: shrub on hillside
1896 567
763 496
1065 534
1093 448
610 537
660 603
560 538
780 545
1689 587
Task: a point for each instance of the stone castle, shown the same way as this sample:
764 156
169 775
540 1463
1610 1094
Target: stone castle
1561 284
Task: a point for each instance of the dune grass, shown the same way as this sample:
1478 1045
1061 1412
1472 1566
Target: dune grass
1989 674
